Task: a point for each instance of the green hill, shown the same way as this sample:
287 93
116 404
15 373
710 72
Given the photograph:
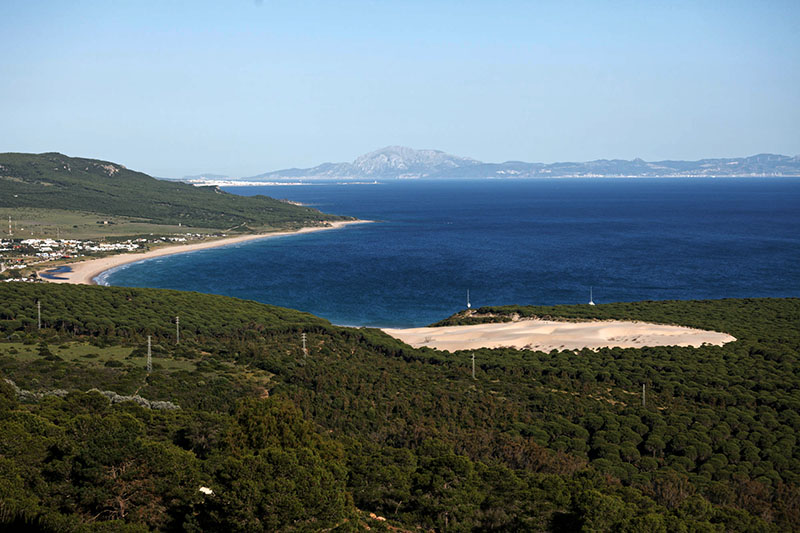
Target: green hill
55 181
366 424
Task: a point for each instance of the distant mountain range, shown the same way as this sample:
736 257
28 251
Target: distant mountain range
400 162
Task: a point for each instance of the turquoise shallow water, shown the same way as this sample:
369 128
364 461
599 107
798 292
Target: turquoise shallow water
508 242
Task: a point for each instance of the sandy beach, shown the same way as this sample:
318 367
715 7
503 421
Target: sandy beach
84 272
547 335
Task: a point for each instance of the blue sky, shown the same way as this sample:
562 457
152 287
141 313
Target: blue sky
242 87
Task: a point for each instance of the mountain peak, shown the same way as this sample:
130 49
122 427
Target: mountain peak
404 160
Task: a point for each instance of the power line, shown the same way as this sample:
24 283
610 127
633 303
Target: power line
473 365
149 356
177 330
39 312
305 350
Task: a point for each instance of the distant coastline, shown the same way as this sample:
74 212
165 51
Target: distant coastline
86 272
315 180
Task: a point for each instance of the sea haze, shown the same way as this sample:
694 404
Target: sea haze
541 241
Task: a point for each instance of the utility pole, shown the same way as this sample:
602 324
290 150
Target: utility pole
643 401
149 356
10 233
39 312
305 350
177 330
473 365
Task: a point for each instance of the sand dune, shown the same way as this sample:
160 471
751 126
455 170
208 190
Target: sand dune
547 335
83 273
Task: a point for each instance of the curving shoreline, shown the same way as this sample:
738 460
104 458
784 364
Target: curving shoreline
85 272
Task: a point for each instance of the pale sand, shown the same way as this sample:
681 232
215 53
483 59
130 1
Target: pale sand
84 272
547 335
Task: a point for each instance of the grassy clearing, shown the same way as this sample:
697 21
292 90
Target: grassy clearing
32 223
257 376
81 366
86 354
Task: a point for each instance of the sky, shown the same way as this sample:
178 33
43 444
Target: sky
240 87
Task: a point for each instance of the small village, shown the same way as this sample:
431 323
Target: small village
20 258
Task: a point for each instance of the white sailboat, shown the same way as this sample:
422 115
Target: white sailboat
468 304
591 300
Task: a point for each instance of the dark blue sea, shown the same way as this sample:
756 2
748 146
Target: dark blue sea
509 242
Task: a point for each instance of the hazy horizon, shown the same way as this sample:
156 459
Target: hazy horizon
246 87
210 173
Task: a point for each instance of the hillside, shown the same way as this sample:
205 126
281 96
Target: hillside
395 162
365 424
55 181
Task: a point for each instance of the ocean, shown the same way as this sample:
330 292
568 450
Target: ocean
541 241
